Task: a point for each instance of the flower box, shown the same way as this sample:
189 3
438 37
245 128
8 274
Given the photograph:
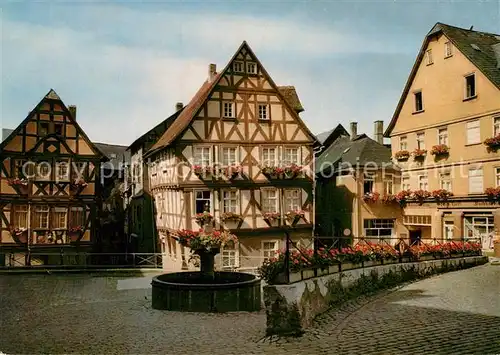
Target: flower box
17 182
230 217
18 231
371 263
294 216
333 269
307 274
493 193
203 218
492 143
292 171
231 171
441 194
419 153
350 266
440 150
271 217
389 261
389 199
273 172
371 197
402 155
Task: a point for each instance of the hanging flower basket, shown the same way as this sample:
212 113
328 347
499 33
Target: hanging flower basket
371 197
203 218
230 216
292 171
402 155
493 193
231 171
440 150
441 194
294 216
493 143
419 154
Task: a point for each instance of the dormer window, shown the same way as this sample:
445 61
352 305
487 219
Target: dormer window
228 110
238 67
447 50
251 68
428 55
263 112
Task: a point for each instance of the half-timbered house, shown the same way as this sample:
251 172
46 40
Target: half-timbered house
238 157
49 187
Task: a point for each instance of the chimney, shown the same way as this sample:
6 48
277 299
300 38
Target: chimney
212 68
354 130
378 132
178 106
72 110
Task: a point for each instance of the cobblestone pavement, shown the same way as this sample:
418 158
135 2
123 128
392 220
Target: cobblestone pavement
454 313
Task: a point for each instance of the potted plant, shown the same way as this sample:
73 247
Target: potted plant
294 216
271 217
493 193
492 143
230 216
292 171
403 196
371 197
440 150
419 154
420 195
203 218
402 155
272 172
231 171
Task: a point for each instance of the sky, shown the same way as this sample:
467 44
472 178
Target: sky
125 64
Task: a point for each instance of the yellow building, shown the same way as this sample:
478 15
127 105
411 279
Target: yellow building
449 108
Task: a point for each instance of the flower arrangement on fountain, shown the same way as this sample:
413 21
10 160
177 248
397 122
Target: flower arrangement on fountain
271 216
294 215
292 170
230 216
203 218
441 194
18 231
371 197
76 230
402 155
493 193
202 170
440 150
419 153
492 143
17 182
231 171
203 240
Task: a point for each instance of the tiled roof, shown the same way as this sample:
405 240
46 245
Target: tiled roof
117 154
481 48
290 95
327 138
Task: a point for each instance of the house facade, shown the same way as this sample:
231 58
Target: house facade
219 163
440 134
49 188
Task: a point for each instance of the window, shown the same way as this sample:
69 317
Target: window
423 182
447 50
379 228
202 156
443 136
263 112
496 126
269 200
251 68
202 201
230 201
43 128
368 183
292 200
20 216
470 86
403 143
497 177
269 156
230 255
228 110
58 129
62 170
448 229
476 181
229 156
419 105
421 140
18 168
41 217
428 55
445 181
473 132
405 183
388 184
291 156
76 217
269 249
58 218
238 67
43 170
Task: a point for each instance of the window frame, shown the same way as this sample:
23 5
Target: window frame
468 129
466 88
416 95
480 191
45 209
263 250
267 111
379 228
38 173
420 140
251 64
496 126
17 212
288 206
448 49
263 191
428 57
223 199
242 68
276 152
236 155
441 135
210 201
232 107
289 148
76 211
54 218
497 176
202 147
403 140
369 177
420 177
446 225
403 178
59 164
445 181
388 178
236 257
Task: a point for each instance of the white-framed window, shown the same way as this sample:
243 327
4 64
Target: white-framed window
419 103
445 181
405 183
62 170
388 184
368 182
423 182
497 177
202 156
229 156
292 199
228 109
230 201
403 143
269 200
496 126
76 216
41 217
476 181
59 218
251 68
443 136
421 140
269 249
238 66
448 229
470 86
230 255
21 216
43 170
428 55
269 156
202 201
378 228
448 50
473 132
263 112
291 155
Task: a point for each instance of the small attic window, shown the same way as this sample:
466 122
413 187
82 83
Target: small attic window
251 68
475 46
43 128
428 56
447 50
238 67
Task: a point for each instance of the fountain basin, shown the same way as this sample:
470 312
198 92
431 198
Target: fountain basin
200 292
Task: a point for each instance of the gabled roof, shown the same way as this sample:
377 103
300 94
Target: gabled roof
486 59
330 136
117 154
290 95
192 108
52 96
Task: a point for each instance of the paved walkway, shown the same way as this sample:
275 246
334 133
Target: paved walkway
455 313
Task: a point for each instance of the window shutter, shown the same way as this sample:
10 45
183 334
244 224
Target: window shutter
476 181
473 132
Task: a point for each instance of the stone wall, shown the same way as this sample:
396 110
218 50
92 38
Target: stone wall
291 308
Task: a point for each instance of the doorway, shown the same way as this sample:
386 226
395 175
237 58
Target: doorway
415 237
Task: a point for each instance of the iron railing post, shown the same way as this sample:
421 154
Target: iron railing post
287 257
